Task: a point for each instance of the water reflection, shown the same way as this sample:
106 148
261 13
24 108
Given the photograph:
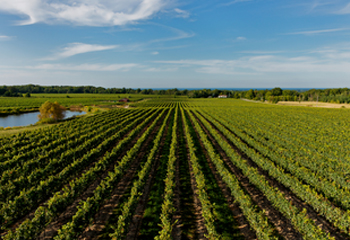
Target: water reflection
25 119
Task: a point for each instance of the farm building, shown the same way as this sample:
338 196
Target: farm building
124 100
222 96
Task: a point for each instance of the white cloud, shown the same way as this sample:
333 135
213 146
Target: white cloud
335 61
79 48
177 13
241 38
335 52
84 67
150 45
319 31
179 35
261 52
4 38
345 10
235 2
172 69
181 13
238 39
316 6
83 12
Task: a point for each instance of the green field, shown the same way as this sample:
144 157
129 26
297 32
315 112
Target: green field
19 104
178 168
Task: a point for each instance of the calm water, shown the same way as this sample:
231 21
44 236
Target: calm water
28 118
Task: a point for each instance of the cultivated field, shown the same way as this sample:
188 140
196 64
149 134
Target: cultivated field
181 169
13 104
315 104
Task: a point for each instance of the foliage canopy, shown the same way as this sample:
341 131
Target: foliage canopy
51 110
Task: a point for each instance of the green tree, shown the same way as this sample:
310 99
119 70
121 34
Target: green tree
52 111
276 91
268 95
250 94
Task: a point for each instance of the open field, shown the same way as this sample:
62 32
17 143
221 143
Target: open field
176 168
314 104
304 104
20 104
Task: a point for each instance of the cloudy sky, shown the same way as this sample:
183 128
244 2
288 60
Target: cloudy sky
176 43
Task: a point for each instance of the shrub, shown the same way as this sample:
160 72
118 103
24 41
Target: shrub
51 110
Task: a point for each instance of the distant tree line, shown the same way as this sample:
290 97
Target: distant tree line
18 91
332 95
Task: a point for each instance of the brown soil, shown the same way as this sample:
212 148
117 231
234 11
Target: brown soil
201 229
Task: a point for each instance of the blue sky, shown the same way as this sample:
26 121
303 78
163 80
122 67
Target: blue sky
169 43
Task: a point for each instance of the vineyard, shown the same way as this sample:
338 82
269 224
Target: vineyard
18 104
177 168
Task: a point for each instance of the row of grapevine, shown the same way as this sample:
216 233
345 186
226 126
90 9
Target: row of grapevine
129 206
256 218
168 203
298 218
200 183
20 161
62 199
54 166
88 208
269 166
44 141
328 167
53 150
27 140
306 192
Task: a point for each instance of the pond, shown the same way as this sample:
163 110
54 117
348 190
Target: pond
25 119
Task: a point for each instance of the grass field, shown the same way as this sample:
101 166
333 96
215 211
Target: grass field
177 168
315 104
19 104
